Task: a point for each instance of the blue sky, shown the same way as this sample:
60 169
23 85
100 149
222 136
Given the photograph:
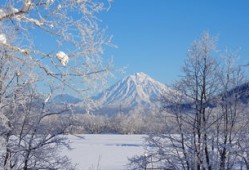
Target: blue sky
153 35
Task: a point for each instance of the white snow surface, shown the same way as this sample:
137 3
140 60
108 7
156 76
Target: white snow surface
135 92
104 152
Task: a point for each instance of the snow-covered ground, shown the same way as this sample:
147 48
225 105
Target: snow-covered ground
104 152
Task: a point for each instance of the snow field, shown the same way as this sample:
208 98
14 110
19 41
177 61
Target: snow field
104 152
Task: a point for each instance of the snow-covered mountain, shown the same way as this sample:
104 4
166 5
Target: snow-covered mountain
135 93
65 98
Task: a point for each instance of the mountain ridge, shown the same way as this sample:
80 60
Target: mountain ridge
65 98
135 93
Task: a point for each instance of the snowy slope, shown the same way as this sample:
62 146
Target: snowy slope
138 92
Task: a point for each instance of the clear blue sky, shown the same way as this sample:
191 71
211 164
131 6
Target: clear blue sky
153 35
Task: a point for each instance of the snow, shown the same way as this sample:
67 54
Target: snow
3 123
32 20
3 39
2 13
50 1
13 10
81 1
105 152
59 7
62 57
27 5
48 98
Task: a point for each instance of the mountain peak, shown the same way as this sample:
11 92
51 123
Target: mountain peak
132 92
138 78
140 74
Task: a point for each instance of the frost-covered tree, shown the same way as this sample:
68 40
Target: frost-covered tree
61 39
46 46
210 119
34 141
26 141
